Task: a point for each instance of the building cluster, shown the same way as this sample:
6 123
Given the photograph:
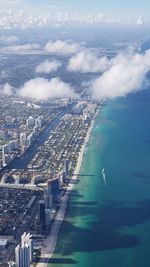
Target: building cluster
25 139
21 123
11 214
89 111
46 210
7 152
49 204
47 173
17 210
63 143
36 210
28 137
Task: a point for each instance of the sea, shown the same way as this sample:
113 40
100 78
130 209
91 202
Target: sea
108 225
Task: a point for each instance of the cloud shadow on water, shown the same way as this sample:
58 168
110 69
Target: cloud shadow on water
109 229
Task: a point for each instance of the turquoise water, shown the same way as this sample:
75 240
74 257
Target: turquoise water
109 225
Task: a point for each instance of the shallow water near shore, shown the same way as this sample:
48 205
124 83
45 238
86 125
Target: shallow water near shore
109 225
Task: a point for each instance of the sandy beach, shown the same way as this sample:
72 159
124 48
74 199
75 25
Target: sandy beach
51 240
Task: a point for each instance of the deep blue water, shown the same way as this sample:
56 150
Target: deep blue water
109 225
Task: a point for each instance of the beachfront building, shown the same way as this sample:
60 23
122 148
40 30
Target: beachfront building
48 201
53 189
26 239
24 253
41 215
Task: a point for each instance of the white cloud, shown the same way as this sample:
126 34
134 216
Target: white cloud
62 47
6 89
18 14
48 66
140 21
87 61
21 48
43 89
126 75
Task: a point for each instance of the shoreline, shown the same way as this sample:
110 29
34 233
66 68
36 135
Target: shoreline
50 241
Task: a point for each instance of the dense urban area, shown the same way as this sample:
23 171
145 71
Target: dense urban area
40 143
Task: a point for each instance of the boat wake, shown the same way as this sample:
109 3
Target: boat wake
104 176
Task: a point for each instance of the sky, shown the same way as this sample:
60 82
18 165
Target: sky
109 7
121 75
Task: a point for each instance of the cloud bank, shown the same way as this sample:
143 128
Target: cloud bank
48 66
21 48
126 75
43 89
18 18
62 47
86 61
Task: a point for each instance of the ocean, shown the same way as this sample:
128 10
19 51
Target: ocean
108 225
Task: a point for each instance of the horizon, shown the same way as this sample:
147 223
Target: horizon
31 14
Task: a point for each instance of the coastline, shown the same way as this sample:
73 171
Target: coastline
51 240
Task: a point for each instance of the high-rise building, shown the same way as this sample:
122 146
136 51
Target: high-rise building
48 201
18 256
26 256
6 151
41 214
22 256
24 253
23 139
38 122
36 129
30 122
26 239
30 138
53 188
11 263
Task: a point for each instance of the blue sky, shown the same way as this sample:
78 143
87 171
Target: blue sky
108 7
